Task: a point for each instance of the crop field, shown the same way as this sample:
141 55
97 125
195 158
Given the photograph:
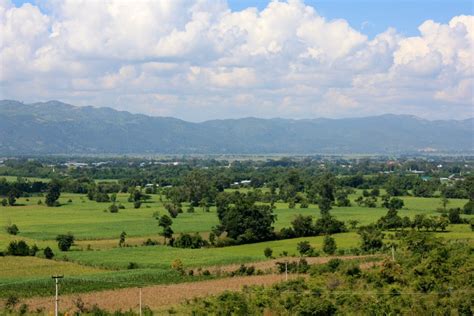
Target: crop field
97 263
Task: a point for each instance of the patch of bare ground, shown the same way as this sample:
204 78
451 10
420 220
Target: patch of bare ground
158 297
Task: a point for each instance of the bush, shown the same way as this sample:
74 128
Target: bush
48 253
137 204
132 265
304 248
113 208
150 242
469 207
13 229
334 264
19 248
65 241
190 241
454 216
178 266
268 252
329 245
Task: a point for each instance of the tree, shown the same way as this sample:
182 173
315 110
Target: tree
19 248
326 193
268 252
65 241
391 220
12 196
444 202
371 238
53 193
48 253
304 248
469 207
165 222
329 245
454 216
353 223
122 239
113 208
245 221
303 226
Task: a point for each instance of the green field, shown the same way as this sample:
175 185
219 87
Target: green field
92 226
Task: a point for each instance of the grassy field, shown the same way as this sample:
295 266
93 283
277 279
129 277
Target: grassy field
105 265
88 221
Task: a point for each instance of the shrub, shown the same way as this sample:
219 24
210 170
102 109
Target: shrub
304 247
132 265
334 264
12 229
48 253
19 248
4 202
329 245
113 208
178 266
65 241
268 252
150 242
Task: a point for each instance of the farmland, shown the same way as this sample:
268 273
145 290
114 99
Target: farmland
97 262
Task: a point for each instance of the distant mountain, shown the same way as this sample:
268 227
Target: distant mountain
58 128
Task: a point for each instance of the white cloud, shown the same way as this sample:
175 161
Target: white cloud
199 59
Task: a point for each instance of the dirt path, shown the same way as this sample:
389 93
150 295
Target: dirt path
155 297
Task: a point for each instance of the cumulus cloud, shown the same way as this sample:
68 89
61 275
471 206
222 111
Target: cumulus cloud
199 60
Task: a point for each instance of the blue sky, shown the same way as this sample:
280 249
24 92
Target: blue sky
195 60
372 16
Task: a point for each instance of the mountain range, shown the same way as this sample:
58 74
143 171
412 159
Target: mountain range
57 128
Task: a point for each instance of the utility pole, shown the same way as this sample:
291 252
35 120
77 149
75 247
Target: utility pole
56 301
140 298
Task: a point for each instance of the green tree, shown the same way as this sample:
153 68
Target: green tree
268 252
165 222
329 245
122 237
48 253
53 193
371 238
245 221
304 248
13 229
454 216
65 241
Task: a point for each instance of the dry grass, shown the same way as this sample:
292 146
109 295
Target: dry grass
270 265
155 297
162 296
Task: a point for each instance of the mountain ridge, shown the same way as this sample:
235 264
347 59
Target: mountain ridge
55 127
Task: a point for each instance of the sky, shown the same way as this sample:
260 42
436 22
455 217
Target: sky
209 59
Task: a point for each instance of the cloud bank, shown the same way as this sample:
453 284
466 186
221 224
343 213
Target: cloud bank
200 60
